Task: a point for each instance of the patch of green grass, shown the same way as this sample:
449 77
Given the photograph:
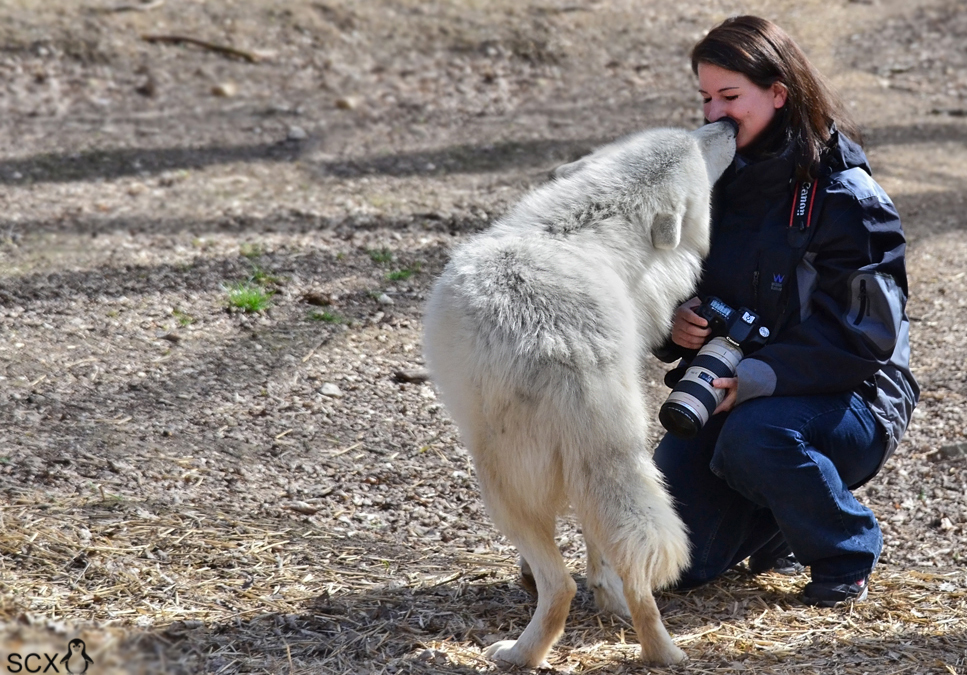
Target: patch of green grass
249 250
184 319
399 275
262 277
248 297
403 274
380 256
327 317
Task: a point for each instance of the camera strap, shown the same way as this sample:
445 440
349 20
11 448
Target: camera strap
799 233
801 213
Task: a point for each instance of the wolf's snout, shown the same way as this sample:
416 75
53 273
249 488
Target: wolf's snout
717 142
731 123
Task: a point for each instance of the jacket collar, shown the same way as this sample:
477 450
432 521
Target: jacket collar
844 153
762 177
776 172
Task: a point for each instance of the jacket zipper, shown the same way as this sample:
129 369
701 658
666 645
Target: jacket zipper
755 283
863 302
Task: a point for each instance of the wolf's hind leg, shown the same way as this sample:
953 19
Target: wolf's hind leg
656 644
628 517
604 582
534 538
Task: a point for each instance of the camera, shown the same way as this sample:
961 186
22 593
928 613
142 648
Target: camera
735 333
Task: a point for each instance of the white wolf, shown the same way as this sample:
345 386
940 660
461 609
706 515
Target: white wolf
534 335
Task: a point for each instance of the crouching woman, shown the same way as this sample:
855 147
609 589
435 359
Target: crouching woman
803 236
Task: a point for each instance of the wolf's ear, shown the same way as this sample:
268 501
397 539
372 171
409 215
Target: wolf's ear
666 231
569 169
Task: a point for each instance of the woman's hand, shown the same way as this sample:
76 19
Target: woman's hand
730 383
689 330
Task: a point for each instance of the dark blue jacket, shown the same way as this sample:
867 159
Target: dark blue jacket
833 295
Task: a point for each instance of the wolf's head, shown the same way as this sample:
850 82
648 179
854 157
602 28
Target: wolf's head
677 170
657 182
686 217
717 142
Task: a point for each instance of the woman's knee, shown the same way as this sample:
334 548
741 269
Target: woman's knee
679 462
750 444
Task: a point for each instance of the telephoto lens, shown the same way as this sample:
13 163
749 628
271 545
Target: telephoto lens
735 333
694 399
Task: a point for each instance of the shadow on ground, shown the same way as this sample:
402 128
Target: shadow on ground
95 165
444 629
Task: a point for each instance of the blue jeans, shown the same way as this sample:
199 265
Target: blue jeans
778 467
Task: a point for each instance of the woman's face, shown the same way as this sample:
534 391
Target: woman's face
727 93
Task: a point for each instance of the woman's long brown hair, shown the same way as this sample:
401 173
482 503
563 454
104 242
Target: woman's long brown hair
764 53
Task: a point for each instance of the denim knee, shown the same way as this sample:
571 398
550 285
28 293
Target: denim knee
745 452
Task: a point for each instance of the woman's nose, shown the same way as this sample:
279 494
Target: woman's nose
714 111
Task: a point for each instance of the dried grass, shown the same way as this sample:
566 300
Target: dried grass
200 592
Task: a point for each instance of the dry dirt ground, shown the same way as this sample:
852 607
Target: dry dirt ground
194 488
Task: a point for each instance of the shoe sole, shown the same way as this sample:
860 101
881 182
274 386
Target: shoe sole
788 571
835 603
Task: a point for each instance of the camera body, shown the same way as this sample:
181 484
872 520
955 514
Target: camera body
735 334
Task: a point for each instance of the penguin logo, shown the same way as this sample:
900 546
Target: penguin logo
76 659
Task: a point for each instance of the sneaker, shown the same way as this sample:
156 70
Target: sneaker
783 564
832 593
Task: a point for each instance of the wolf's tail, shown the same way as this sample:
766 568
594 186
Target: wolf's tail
632 519
617 490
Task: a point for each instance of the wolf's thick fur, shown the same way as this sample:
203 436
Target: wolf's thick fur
534 335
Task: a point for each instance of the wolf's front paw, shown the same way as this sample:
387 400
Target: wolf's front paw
665 655
505 652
